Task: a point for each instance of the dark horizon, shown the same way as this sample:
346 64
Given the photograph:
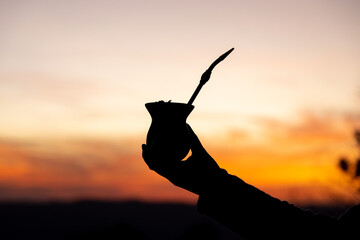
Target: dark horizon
89 218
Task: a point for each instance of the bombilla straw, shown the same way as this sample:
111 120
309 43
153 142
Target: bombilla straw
206 75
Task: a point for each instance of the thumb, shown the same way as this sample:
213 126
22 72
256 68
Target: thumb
195 144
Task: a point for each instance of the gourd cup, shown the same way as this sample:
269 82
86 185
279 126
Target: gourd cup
169 130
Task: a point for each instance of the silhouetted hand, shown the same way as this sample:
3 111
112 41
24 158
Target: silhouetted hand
194 174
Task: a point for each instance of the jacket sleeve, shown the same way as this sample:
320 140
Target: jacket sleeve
254 215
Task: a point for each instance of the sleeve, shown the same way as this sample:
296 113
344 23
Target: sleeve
254 215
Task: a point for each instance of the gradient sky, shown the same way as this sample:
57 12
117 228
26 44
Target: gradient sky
75 75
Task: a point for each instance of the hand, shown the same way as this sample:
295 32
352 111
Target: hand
194 174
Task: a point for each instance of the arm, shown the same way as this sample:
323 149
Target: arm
254 214
241 207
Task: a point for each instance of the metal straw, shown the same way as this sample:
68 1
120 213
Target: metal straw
206 75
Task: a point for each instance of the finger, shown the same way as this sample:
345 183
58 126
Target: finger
146 155
151 155
144 151
195 144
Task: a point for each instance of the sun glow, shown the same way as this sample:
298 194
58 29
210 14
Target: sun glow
75 75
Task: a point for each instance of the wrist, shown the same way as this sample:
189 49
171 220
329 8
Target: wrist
212 181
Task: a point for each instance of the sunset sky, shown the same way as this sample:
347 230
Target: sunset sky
75 75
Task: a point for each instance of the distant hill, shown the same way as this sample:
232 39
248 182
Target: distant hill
111 220
106 220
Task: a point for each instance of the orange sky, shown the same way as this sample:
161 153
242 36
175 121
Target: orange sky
75 75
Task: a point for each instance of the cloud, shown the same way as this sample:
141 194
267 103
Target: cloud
44 193
289 154
311 130
308 129
68 168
